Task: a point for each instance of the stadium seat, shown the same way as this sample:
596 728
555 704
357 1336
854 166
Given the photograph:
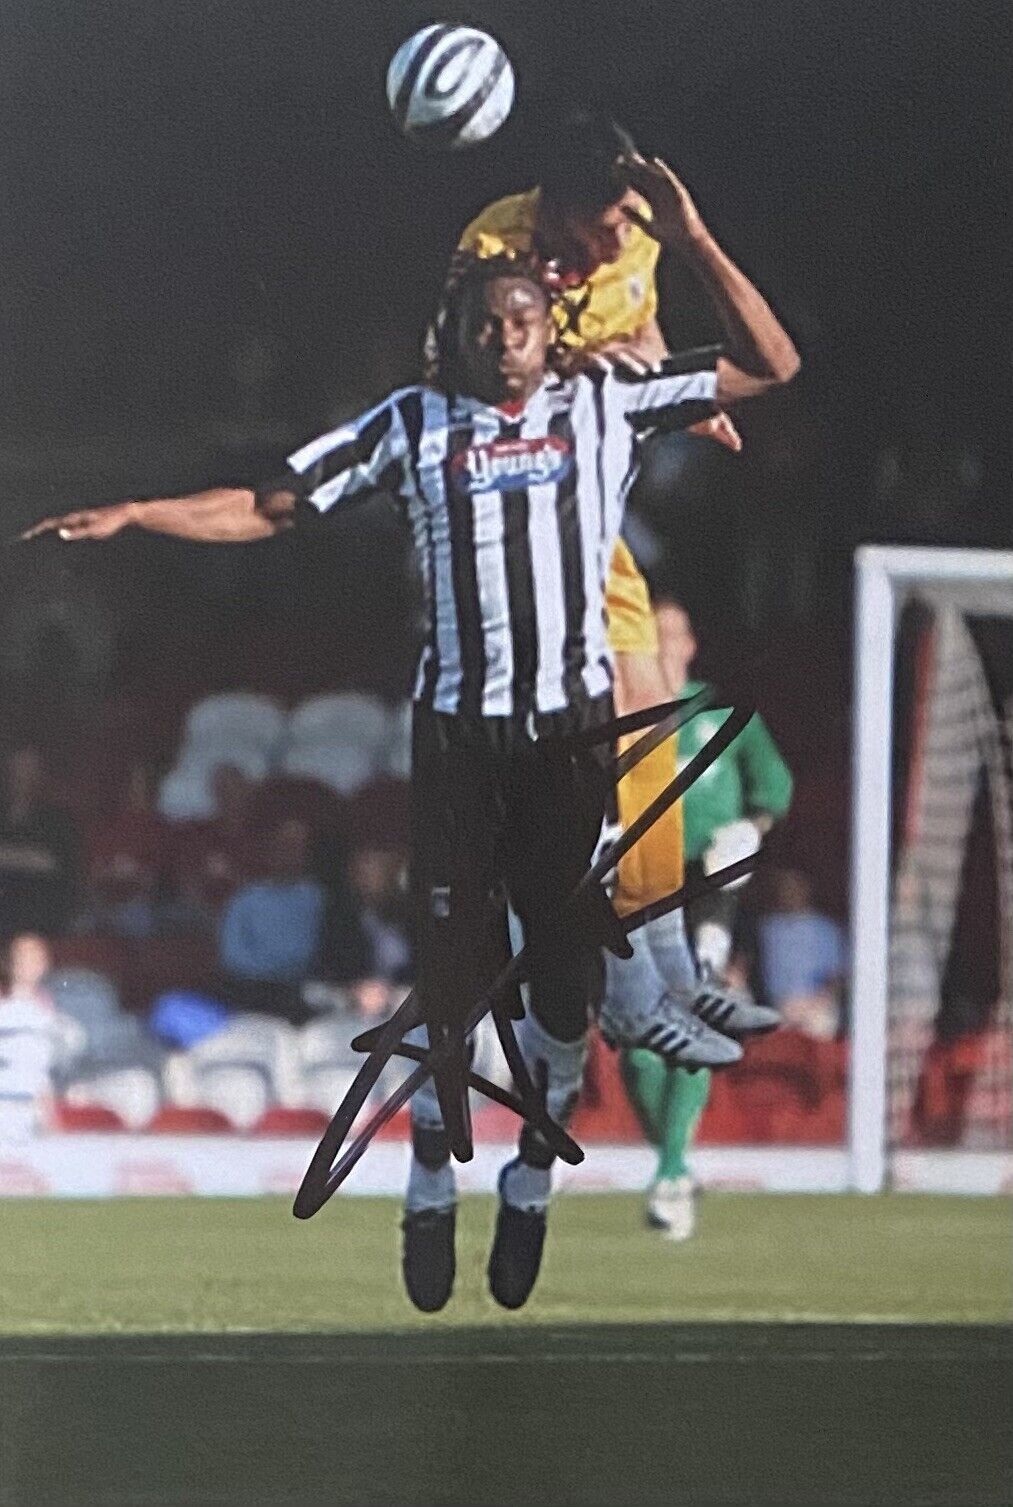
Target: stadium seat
351 717
186 794
240 1071
84 994
240 728
235 719
328 1064
241 1093
121 1045
80 1118
285 1120
180 1119
133 1094
94 1032
341 739
343 768
325 1086
254 1041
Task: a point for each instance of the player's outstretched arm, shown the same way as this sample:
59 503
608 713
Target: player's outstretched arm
761 354
222 515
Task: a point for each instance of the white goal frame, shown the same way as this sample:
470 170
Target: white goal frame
883 573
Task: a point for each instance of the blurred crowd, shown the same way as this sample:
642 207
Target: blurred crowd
247 880
280 877
212 942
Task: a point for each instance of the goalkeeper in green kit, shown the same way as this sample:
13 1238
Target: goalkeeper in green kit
726 814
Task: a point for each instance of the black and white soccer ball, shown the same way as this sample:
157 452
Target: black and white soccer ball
450 86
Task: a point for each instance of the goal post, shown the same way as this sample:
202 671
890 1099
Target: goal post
967 580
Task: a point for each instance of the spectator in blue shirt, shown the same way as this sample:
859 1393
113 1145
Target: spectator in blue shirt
271 928
802 957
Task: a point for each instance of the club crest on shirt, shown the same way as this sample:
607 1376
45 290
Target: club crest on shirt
510 465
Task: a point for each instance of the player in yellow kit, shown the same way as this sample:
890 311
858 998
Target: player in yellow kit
587 223
590 225
590 222
596 224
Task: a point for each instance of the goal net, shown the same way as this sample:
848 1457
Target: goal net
932 869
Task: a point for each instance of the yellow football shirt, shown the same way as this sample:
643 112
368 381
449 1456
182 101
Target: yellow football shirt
615 300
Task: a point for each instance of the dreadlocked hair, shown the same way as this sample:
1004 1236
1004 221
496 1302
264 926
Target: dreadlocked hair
466 280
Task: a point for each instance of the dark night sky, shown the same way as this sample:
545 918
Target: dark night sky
185 186
179 177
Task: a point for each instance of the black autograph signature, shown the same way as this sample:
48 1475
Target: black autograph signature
447 1058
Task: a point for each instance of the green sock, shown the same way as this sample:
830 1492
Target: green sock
683 1104
646 1078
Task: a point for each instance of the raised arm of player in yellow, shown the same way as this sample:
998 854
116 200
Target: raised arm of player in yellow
760 352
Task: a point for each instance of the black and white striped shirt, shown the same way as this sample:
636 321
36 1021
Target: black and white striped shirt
514 520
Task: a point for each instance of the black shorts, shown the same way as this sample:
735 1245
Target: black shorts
500 815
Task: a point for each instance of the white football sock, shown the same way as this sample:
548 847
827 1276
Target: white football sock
713 947
525 1184
429 1187
669 947
526 1187
425 1107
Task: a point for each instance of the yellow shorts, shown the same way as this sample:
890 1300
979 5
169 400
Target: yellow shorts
653 867
631 628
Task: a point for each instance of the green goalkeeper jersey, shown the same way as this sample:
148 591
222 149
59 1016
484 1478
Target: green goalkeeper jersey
750 777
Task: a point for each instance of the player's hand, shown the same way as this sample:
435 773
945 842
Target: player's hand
89 523
676 219
719 428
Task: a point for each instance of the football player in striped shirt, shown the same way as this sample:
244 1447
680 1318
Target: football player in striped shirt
514 482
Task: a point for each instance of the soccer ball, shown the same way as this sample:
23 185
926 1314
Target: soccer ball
450 86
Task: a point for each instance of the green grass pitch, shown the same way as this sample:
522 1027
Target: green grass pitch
798 1350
